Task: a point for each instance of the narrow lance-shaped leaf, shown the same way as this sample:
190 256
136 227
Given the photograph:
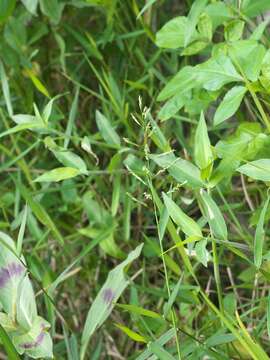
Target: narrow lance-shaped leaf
107 296
229 104
259 236
214 216
188 225
131 334
171 35
202 147
182 170
106 130
258 169
216 72
58 174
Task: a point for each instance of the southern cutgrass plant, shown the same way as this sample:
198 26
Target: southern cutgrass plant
135 168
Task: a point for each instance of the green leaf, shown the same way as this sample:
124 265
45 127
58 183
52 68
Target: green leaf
201 252
106 130
160 352
258 169
219 12
107 296
5 88
214 216
202 147
172 106
241 52
182 82
181 170
52 9
205 26
58 174
162 340
188 225
193 17
259 30
134 309
131 334
171 300
216 72
39 211
171 35
8 345
259 236
194 48
253 8
70 159
230 104
31 6
234 30
6 9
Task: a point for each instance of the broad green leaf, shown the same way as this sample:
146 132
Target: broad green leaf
52 9
6 9
216 72
70 159
134 309
253 8
201 252
25 119
171 35
37 342
106 130
182 82
31 5
182 170
193 17
187 224
214 216
172 106
234 30
202 147
241 52
194 48
205 27
131 334
230 104
219 12
58 174
107 296
243 144
12 271
258 169
259 236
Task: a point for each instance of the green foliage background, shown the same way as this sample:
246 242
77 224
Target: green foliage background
130 122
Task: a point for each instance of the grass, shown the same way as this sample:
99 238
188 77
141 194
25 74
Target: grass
134 179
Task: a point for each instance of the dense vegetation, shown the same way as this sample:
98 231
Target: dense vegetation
135 165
